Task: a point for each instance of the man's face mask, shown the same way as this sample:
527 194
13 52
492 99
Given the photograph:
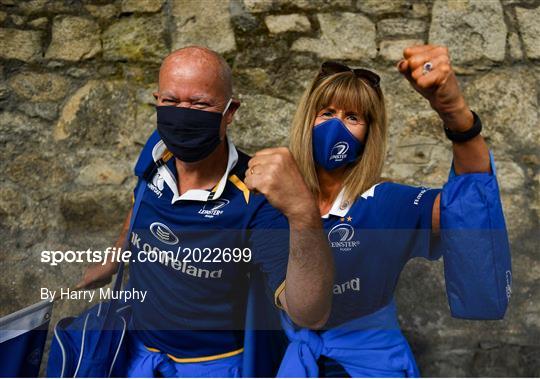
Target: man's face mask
334 145
189 134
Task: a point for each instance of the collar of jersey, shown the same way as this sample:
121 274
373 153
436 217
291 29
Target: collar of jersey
341 207
160 150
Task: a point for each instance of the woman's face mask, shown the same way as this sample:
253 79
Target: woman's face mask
334 145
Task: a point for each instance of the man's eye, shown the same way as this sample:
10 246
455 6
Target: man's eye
168 101
202 105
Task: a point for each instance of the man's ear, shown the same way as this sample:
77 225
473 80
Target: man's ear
235 104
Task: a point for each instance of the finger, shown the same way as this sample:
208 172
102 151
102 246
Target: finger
264 160
251 183
254 161
273 151
250 172
403 66
435 77
437 63
267 151
80 285
417 49
404 69
419 59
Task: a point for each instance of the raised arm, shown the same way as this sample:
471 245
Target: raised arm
307 295
477 262
441 88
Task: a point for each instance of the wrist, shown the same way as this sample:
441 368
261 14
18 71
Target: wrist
304 214
458 118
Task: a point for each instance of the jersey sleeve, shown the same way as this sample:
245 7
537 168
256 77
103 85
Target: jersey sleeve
407 211
269 240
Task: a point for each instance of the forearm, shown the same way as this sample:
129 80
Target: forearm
310 271
122 238
121 242
471 156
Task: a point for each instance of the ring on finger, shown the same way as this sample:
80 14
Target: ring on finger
428 66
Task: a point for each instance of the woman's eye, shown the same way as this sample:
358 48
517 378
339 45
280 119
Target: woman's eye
326 114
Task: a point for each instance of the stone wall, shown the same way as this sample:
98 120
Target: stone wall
75 96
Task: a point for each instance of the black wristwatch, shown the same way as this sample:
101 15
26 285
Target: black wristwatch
466 135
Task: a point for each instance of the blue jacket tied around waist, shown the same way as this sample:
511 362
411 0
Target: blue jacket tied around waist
368 346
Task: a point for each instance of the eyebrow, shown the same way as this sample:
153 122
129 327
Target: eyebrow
193 98
205 98
329 108
167 94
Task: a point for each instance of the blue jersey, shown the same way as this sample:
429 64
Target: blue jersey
372 239
197 250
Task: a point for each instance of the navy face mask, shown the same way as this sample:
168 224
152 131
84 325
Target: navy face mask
334 145
189 134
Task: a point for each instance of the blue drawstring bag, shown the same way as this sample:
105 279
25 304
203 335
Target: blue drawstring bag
22 339
476 250
94 343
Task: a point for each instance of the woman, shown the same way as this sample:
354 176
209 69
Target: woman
374 227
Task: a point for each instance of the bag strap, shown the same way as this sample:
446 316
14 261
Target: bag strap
136 205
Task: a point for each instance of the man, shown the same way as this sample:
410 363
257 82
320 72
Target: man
196 206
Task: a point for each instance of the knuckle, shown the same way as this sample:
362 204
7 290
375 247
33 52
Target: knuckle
441 50
445 68
415 61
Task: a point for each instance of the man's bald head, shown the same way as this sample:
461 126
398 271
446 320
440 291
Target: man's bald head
198 61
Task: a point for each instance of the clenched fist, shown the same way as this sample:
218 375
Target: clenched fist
274 173
428 69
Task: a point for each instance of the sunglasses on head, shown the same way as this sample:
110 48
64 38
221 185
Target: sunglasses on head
331 67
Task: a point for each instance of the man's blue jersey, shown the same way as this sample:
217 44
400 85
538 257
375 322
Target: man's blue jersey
371 240
194 253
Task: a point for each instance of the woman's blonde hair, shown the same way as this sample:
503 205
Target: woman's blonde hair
347 91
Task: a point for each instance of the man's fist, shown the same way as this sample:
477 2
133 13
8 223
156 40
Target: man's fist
274 173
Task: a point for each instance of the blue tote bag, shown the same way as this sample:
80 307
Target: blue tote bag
94 343
22 339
